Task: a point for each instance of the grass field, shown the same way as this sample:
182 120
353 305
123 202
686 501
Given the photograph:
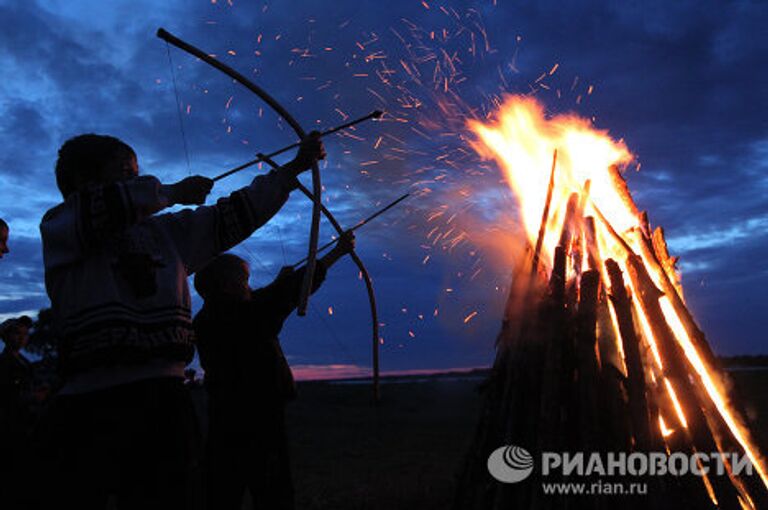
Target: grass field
405 453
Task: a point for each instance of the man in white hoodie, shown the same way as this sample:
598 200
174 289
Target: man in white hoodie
116 274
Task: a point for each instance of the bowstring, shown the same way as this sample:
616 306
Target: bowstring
282 246
178 108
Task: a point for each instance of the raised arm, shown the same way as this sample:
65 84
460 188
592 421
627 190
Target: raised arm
279 299
88 216
201 234
275 302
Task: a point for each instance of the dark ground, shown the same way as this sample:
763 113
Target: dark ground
405 453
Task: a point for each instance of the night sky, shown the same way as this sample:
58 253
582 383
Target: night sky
684 84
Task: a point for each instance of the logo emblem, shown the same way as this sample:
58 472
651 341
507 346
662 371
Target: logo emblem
510 464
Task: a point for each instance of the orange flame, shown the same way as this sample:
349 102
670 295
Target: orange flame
522 141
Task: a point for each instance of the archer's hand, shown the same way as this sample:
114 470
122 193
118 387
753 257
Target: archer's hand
346 242
285 271
310 151
191 191
344 246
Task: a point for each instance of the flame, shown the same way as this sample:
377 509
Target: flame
522 140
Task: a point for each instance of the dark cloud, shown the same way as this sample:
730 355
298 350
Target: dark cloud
21 274
682 83
22 120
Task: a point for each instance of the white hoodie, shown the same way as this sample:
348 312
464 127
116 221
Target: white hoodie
117 275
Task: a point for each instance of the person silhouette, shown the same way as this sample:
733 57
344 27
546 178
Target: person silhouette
123 424
17 417
248 379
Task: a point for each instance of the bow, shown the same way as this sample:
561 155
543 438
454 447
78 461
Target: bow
280 110
314 195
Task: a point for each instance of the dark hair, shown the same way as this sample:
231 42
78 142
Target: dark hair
208 280
11 325
4 225
81 159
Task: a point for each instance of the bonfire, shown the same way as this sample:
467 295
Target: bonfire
597 351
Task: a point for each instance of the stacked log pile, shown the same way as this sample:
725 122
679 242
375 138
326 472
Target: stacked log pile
575 372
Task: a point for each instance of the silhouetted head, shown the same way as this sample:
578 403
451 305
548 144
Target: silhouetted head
93 159
15 333
224 278
4 232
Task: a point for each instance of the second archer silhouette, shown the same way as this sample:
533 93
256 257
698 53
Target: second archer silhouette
248 379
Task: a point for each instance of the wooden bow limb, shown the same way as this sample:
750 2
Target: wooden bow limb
366 278
277 107
260 157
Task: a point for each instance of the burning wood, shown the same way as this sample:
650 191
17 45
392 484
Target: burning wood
597 352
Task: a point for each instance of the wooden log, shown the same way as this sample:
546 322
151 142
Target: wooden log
542 369
666 492
608 340
689 489
667 262
656 437
590 240
620 186
611 393
557 279
578 248
523 425
638 403
499 423
525 294
552 330
568 230
587 369
645 224
510 397
544 217
617 433
584 197
675 369
521 401
727 441
751 487
669 290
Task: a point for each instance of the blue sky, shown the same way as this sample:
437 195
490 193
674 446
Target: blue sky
684 85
